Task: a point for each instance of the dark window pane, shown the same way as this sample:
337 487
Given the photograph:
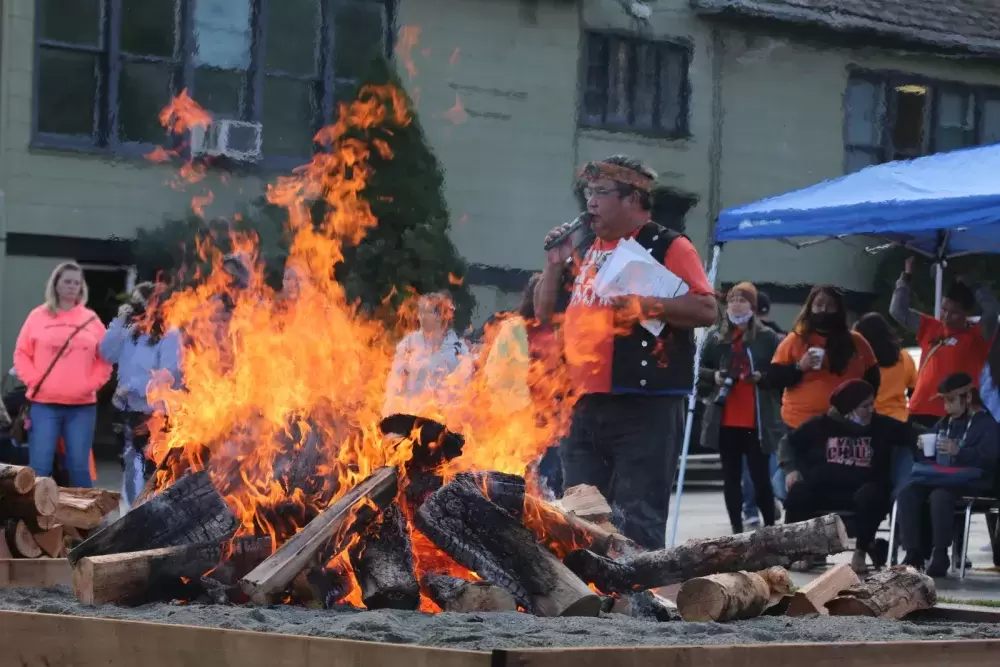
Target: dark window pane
645 86
359 36
909 130
290 112
672 91
222 33
956 122
858 159
865 108
292 31
219 91
74 21
596 85
991 121
618 86
67 88
143 90
148 27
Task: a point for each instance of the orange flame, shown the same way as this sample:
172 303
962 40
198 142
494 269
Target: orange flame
457 114
409 36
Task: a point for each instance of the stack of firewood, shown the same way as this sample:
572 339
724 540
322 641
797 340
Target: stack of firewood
40 520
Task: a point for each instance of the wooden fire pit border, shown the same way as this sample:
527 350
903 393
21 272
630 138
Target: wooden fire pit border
35 572
77 641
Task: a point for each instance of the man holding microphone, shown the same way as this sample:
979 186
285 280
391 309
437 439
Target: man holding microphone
628 424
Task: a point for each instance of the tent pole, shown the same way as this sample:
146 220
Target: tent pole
938 287
713 270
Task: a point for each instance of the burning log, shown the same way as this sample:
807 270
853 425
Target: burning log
892 593
645 605
320 587
85 508
190 511
164 574
767 547
40 500
460 520
812 598
383 563
732 595
502 489
15 479
563 528
352 512
458 595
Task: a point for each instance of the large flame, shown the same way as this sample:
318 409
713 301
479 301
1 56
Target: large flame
283 392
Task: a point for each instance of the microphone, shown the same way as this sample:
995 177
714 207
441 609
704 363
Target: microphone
580 221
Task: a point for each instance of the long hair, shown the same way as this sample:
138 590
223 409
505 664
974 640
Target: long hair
839 341
51 298
145 319
885 343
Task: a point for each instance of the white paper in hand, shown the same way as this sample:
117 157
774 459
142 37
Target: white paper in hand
630 270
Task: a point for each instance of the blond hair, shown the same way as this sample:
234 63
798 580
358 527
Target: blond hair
51 298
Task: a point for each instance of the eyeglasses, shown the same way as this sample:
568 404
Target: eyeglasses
590 193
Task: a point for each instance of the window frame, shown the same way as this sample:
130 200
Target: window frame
889 80
665 48
104 138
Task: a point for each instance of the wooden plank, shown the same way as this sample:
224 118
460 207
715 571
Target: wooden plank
957 613
76 641
35 572
968 653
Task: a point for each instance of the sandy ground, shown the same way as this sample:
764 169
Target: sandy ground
494 631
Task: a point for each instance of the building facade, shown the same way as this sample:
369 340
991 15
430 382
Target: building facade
729 101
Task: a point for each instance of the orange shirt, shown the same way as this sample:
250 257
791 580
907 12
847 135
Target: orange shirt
811 397
943 352
588 329
891 399
740 410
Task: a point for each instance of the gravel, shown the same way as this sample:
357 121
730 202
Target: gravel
488 631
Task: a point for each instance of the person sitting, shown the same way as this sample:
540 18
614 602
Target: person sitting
844 458
965 464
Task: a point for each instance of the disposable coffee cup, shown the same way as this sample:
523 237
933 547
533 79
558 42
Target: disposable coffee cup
818 352
928 441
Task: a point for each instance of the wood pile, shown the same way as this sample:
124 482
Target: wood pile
40 520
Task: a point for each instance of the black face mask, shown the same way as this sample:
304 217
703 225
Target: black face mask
823 321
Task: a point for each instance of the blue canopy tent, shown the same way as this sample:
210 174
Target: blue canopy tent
940 206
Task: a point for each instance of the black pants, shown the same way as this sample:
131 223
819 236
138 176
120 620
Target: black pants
627 446
734 444
927 518
815 495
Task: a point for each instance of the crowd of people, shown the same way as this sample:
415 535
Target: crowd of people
824 418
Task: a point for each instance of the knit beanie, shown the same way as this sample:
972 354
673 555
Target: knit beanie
848 396
746 290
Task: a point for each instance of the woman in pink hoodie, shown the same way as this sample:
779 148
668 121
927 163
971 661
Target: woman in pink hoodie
63 404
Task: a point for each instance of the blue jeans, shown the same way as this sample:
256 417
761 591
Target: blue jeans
749 504
75 423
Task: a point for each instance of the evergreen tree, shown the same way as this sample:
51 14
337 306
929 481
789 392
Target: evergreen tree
409 250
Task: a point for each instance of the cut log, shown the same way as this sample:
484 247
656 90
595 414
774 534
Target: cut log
190 511
563 532
319 587
731 596
40 500
5 552
459 595
352 512
812 598
645 605
768 547
383 563
39 523
586 502
21 542
892 593
15 479
460 520
162 574
51 541
85 508
503 489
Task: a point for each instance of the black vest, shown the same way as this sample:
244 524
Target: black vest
642 362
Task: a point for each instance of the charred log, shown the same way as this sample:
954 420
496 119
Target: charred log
560 529
645 605
481 536
503 489
190 511
459 595
383 563
767 547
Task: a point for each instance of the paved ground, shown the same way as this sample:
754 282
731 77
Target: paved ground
703 515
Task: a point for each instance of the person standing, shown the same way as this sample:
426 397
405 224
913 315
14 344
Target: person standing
742 416
897 371
628 422
57 358
947 345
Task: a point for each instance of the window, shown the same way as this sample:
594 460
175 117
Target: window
105 68
635 85
891 117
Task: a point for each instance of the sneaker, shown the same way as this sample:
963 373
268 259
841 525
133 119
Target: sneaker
751 521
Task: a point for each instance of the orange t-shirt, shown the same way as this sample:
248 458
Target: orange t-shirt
811 397
958 352
891 399
588 329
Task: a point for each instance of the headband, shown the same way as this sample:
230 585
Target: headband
614 172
